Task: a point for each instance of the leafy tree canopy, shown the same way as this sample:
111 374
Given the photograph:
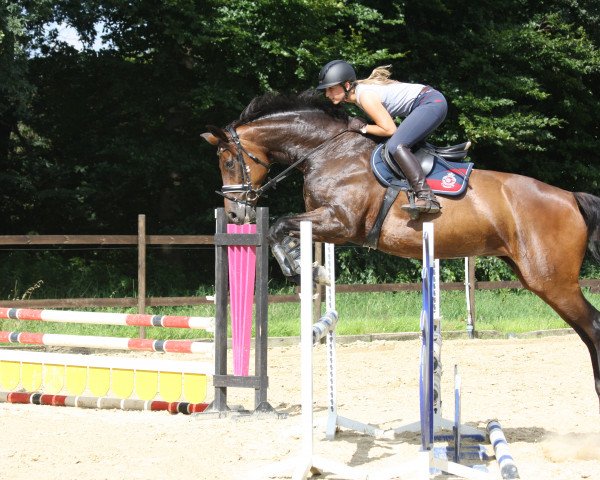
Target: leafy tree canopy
92 136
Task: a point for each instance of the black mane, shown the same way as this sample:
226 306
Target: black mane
273 102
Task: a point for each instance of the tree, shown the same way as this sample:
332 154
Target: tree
523 83
118 128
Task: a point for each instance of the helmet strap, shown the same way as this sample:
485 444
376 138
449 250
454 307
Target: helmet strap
347 90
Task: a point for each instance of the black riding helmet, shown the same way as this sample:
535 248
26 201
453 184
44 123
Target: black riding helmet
334 73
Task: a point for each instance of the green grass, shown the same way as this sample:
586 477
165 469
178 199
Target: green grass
506 311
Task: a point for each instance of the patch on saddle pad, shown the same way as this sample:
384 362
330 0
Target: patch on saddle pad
445 178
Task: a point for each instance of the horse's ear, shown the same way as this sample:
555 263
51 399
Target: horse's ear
214 135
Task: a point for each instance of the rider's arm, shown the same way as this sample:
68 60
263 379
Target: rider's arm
384 123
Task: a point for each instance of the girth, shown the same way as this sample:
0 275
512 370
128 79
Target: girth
388 199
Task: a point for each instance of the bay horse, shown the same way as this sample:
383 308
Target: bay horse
541 231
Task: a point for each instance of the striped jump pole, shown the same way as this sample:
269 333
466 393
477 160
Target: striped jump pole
101 403
108 343
106 318
325 325
506 463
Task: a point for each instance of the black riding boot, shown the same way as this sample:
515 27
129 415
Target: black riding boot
425 201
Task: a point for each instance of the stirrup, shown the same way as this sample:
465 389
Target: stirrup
411 207
432 205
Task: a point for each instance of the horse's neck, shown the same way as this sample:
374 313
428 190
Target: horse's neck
296 139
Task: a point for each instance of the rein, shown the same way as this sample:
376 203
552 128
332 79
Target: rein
272 183
252 195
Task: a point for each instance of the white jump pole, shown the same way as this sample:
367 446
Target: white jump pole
306 346
470 327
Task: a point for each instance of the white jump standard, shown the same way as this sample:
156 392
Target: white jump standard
335 421
428 460
307 463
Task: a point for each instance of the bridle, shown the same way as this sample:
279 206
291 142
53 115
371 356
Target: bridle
250 195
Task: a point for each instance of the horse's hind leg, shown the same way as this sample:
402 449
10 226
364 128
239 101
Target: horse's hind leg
573 307
560 289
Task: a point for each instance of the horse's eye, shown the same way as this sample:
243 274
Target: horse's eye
229 164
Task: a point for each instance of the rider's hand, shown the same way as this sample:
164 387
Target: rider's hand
357 124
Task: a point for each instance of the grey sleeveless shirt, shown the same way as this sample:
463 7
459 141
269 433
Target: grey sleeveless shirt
397 97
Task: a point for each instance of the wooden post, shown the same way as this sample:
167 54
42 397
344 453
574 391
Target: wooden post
142 269
261 304
221 288
470 293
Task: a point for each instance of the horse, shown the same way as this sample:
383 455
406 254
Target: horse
541 231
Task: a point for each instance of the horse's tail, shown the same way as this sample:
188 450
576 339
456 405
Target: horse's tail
589 206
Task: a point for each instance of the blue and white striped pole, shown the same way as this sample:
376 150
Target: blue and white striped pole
508 469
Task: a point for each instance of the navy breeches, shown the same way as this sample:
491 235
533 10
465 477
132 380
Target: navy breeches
428 112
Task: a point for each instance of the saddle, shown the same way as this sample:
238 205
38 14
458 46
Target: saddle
445 174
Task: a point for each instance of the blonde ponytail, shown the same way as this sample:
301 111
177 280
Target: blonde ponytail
379 76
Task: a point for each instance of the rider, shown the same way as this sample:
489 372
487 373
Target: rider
382 98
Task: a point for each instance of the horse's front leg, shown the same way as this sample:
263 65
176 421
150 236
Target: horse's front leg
285 243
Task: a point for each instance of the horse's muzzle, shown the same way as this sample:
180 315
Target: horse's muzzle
240 203
240 213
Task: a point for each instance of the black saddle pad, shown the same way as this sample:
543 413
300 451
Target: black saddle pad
446 178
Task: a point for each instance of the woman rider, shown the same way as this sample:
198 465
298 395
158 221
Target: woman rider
382 99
